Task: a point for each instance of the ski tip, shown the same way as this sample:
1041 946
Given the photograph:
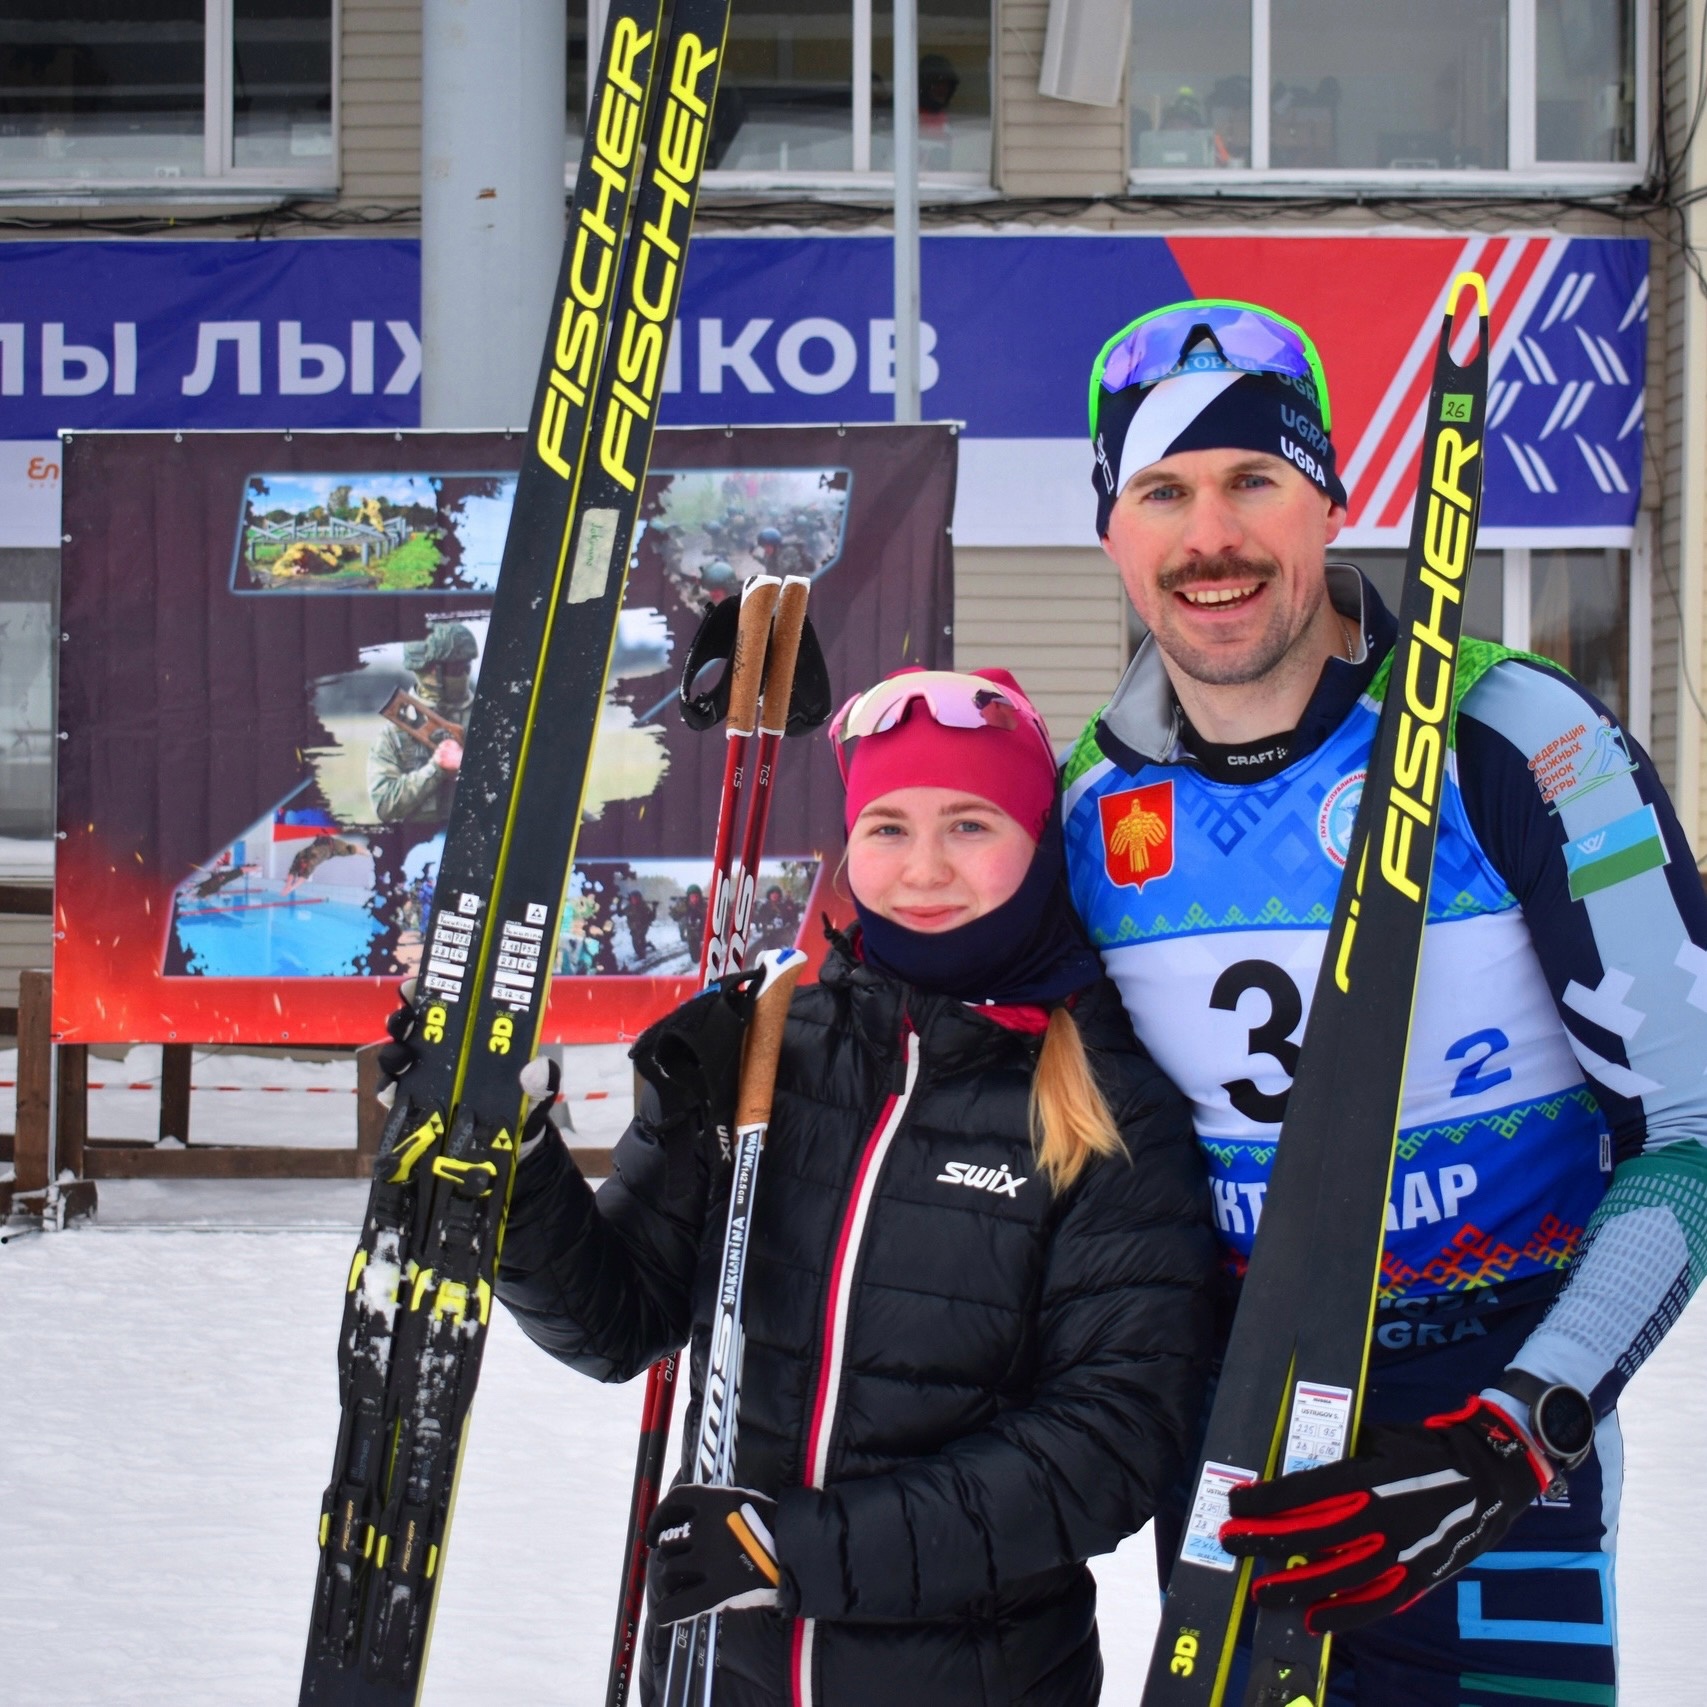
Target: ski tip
1469 281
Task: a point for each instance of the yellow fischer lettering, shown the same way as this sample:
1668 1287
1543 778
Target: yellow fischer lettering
675 196
619 124
592 261
628 42
613 446
553 423
1436 709
678 143
1418 756
611 183
1445 533
1451 457
589 296
1396 854
693 60
640 340
642 350
657 306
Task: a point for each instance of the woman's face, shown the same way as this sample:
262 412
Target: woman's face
932 859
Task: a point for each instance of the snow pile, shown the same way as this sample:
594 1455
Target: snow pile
168 1418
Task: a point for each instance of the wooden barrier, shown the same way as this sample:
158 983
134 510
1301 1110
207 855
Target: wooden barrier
95 1158
38 1164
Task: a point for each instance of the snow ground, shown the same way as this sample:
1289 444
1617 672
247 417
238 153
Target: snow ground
166 1425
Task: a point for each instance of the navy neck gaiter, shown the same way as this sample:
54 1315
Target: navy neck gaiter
1031 949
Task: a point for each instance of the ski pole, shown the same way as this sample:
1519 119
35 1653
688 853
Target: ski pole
747 678
787 627
758 603
693 1647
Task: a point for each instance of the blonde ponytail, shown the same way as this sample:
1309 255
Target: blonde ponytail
1070 1122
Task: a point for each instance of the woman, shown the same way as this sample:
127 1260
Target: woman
976 1316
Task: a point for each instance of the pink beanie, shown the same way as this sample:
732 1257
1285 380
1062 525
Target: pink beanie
1011 768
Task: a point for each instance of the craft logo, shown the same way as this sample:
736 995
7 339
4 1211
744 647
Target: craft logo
1339 812
1138 834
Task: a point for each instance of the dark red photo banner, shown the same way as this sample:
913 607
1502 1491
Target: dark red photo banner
270 646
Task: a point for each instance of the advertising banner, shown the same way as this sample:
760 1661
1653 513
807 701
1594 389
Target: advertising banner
270 647
778 329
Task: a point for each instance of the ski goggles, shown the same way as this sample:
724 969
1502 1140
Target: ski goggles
1246 337
954 700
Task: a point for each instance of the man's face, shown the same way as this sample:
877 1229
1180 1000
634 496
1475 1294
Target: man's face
1221 554
443 682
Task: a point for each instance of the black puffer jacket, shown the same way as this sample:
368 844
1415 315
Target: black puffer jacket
994 1383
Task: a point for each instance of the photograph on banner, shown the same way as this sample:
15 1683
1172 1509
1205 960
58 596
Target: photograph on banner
399 533
310 749
338 880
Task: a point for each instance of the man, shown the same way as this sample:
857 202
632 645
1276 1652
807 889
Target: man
408 781
688 912
1548 1219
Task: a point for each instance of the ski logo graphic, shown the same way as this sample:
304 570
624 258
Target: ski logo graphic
997 1180
1138 834
595 244
659 255
1447 536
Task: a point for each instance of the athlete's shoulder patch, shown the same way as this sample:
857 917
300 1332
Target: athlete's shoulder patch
1572 746
1138 834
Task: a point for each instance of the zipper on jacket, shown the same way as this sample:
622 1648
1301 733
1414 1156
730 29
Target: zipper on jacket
845 1261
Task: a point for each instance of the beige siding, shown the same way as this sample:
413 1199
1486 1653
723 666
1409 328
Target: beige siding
1046 147
25 945
380 102
1056 617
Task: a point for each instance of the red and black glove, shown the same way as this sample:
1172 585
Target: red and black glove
1378 1531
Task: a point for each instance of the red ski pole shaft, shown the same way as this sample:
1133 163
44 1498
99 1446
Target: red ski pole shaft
746 682
786 628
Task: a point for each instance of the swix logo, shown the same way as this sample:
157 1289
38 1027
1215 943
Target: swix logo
998 1180
1138 834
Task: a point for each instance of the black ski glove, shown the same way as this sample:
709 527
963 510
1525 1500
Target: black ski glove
1378 1531
396 1057
692 1059
711 1552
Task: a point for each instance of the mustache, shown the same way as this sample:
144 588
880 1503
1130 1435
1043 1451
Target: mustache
1209 570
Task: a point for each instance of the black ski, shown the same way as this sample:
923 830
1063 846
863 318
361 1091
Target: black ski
421 1283
1292 1382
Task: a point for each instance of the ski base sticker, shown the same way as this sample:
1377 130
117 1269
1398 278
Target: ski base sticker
1320 1428
1202 1544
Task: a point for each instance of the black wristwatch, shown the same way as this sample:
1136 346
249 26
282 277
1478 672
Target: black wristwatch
1560 1417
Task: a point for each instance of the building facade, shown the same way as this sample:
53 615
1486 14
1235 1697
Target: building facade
210 213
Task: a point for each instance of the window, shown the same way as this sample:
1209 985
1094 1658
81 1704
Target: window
143 93
27 584
1483 605
1457 92
807 93
1579 616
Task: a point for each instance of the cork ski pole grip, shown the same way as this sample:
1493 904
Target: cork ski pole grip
782 969
786 628
747 665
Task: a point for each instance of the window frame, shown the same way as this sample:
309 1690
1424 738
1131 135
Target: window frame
219 178
1523 175
861 182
